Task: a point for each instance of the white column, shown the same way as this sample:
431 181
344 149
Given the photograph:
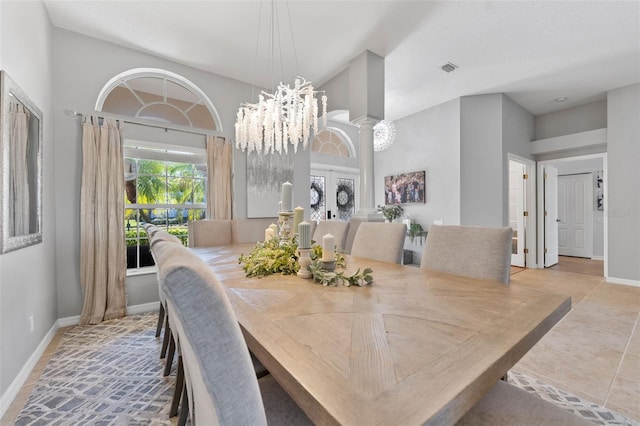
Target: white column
367 184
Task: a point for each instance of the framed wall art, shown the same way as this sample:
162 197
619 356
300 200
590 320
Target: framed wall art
405 188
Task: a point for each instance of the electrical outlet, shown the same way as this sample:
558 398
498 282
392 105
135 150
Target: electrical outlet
32 324
438 222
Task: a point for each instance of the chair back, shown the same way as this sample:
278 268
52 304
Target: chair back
336 228
250 230
351 234
473 251
380 241
209 232
220 377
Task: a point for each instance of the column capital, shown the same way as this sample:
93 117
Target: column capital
365 122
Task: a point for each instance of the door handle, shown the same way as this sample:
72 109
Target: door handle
558 220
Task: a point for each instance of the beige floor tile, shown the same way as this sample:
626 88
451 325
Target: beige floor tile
577 286
578 355
621 296
602 316
634 341
624 395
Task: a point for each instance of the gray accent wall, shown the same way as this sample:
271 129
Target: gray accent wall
27 276
81 67
578 119
428 140
481 161
623 173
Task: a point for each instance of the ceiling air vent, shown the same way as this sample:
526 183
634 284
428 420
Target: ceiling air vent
449 67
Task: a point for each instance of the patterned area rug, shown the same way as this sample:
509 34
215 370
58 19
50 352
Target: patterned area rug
107 374
111 374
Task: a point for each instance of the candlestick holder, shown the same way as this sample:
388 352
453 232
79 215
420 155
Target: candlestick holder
304 260
284 220
329 266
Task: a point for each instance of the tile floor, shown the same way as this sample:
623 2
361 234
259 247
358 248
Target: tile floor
593 352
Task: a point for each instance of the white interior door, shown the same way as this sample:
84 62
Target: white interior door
550 216
575 215
333 195
516 211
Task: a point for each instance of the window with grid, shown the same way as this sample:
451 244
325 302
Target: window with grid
165 186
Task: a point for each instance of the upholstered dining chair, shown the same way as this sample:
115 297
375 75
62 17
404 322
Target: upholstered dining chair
220 382
250 230
508 405
380 241
473 251
209 232
336 228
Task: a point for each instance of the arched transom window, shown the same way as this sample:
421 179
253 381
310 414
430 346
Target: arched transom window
158 95
333 141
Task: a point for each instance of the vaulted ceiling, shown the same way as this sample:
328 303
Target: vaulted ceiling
533 51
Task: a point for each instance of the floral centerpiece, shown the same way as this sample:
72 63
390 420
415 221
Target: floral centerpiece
281 256
391 212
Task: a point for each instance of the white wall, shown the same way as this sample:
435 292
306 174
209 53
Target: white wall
428 140
623 173
578 119
27 276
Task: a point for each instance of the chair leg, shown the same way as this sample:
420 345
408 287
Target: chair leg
177 392
170 352
167 336
160 320
184 407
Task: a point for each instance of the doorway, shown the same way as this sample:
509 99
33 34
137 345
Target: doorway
521 210
582 231
334 193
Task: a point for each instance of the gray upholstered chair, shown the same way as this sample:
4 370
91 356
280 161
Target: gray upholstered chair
250 230
354 224
209 233
221 384
473 251
508 405
336 228
380 241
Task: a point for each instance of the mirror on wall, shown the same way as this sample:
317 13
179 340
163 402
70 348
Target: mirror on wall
21 160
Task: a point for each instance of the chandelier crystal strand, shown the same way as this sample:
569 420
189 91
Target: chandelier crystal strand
289 116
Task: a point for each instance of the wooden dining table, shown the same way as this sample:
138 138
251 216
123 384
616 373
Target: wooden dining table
415 347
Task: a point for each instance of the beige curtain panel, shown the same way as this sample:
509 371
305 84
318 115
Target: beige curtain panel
18 175
219 171
103 263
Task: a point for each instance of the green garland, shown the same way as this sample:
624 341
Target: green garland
275 256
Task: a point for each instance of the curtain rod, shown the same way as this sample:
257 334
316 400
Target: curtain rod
128 120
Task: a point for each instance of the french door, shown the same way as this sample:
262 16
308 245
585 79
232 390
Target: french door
334 194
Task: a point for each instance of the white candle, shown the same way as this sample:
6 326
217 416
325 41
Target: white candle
304 230
287 196
328 248
275 228
298 215
269 234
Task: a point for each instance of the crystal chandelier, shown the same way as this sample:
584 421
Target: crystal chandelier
384 133
288 116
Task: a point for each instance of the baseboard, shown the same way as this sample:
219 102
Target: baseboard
27 368
143 308
623 281
23 375
131 310
597 257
